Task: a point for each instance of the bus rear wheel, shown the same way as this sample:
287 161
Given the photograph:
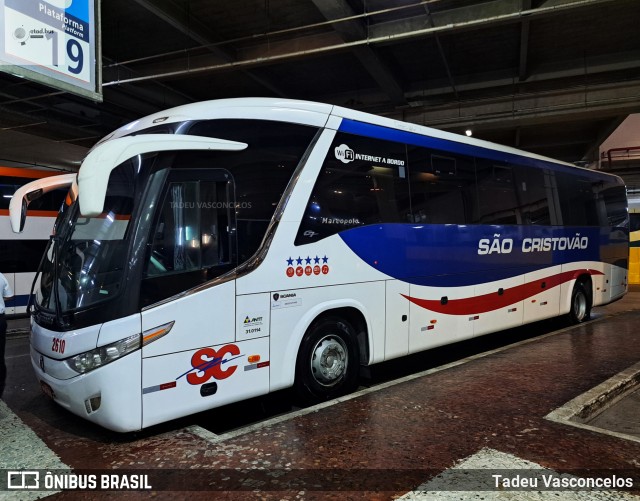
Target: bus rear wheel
580 304
328 361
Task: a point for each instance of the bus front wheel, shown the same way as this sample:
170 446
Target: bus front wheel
580 304
328 361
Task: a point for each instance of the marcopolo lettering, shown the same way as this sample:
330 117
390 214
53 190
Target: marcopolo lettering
337 220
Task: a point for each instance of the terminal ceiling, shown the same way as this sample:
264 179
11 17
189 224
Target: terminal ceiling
554 77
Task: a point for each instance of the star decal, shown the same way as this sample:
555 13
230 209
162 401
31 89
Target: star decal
289 262
299 260
316 260
308 260
325 259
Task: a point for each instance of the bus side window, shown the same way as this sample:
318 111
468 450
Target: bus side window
534 196
214 224
577 200
442 187
362 181
177 232
496 193
191 240
615 201
192 232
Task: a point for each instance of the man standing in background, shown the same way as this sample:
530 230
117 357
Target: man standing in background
5 293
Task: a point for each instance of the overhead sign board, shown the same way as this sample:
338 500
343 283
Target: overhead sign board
54 42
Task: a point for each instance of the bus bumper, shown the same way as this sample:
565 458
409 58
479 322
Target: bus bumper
97 395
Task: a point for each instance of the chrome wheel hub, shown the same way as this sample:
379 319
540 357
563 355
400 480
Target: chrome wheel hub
580 306
329 360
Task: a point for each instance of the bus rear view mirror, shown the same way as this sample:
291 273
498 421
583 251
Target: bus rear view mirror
26 194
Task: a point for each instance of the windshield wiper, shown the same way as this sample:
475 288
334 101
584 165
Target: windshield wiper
56 294
38 273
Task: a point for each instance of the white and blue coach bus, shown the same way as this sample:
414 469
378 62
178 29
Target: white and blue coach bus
226 249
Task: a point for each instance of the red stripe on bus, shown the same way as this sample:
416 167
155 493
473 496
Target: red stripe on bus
495 301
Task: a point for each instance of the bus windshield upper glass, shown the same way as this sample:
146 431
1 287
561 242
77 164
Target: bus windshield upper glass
209 212
87 257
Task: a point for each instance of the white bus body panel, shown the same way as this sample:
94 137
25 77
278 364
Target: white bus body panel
35 228
296 309
501 318
619 278
173 387
76 341
21 290
396 340
118 329
429 329
117 384
546 303
114 383
253 316
282 110
205 318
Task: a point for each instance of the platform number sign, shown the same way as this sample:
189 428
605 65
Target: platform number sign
53 42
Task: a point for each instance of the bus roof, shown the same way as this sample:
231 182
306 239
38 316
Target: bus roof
323 115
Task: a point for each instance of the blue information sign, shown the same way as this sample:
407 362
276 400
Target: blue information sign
53 42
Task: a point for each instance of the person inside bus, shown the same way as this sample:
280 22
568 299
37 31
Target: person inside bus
6 293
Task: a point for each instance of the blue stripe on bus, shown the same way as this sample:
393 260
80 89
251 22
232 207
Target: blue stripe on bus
380 132
447 255
17 301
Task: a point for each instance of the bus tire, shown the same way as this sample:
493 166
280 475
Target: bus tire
580 309
328 361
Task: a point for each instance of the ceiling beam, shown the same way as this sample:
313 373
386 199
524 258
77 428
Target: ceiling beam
572 104
524 43
565 70
353 30
392 33
472 17
564 75
177 17
442 54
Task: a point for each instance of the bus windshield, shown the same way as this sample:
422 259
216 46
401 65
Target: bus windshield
87 255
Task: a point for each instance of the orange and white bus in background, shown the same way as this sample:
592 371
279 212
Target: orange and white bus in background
634 239
20 253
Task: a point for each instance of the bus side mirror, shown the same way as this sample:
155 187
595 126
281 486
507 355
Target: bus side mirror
23 214
26 200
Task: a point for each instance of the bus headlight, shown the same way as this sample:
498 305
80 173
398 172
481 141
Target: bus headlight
90 360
